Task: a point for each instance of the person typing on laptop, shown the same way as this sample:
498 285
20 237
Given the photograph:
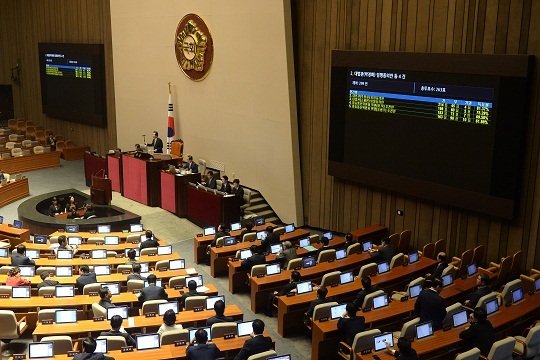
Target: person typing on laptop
117 330
295 279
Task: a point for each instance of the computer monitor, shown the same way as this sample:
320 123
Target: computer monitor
117 310
192 332
337 311
244 328
366 246
137 251
40 239
209 231
40 350
17 224
135 228
27 270
1 219
380 301
289 228
459 318
4 252
229 240
164 250
346 277
379 341
308 262
74 240
383 267
414 290
145 267
102 269
64 254
172 305
447 280
517 295
413 257
272 269
211 300
103 229
261 235
144 238
177 264
424 330
471 269
72 228
244 254
341 254
99 254
63 271
197 278
112 240
65 316
159 282
304 242
328 235
280 357
20 292
61 291
114 288
147 341
537 284
101 346
274 249
32 254
492 306
259 221
304 287
236 226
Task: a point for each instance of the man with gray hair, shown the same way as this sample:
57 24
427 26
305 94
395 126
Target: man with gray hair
287 254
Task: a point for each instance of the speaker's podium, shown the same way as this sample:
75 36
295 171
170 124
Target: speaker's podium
101 190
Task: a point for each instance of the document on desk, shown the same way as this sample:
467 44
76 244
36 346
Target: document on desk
202 289
131 322
310 248
191 271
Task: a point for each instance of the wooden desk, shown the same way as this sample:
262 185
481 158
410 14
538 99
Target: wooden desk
220 256
86 234
13 191
14 235
74 153
174 191
373 232
25 163
86 248
206 208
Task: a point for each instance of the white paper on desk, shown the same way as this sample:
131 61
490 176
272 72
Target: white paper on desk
131 322
191 271
22 325
4 244
202 289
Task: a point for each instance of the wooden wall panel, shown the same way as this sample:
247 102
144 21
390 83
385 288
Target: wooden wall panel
453 26
26 23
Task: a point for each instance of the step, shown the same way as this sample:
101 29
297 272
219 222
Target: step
266 213
259 207
273 220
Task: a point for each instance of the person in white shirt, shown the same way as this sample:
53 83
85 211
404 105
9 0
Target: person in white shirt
169 320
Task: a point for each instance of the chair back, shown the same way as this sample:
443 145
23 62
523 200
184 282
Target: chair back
38 149
60 145
258 269
404 240
47 314
450 311
367 269
9 329
323 310
46 290
99 310
517 258
16 152
5 269
502 349
429 251
114 342
354 248
61 343
220 240
330 278
466 259
448 269
394 239
368 299
135 285
42 269
195 301
171 336
124 267
440 246
473 354
326 255
13 137
280 230
294 263
177 280
70 144
263 355
314 238
532 342
95 240
147 251
397 260
246 199
249 237
5 290
484 299
408 330
26 143
219 330
133 238
506 293
363 340
162 264
91 288
478 255
177 149
151 306
202 166
504 272
6 155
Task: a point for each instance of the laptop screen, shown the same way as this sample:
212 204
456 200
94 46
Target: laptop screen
17 224
63 271
40 350
413 257
447 280
193 331
61 291
102 269
135 228
341 254
383 267
40 239
379 341
147 341
1 219
162 308
112 240
164 250
414 290
28 271
304 287
274 249
244 254
113 287
380 301
537 284
66 316
32 254
209 231
261 235
197 278
104 229
337 311
137 251
304 242
280 357
144 238
99 254
20 292
471 269
229 240
366 246
117 310
159 282
346 277
177 264
211 300
289 228
517 295
424 330
259 221
308 262
245 328
74 240
236 226
4 252
101 346
459 318
272 269
72 228
64 254
492 306
328 235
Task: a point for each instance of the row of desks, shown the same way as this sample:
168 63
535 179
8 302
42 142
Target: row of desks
13 191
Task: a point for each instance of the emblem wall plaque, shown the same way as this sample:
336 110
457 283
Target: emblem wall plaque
194 47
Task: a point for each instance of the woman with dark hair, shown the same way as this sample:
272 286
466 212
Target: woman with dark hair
54 209
14 277
71 203
169 320
405 352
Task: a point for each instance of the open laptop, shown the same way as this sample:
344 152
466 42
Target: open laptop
459 318
111 240
40 350
273 269
209 231
337 311
147 341
113 287
177 264
64 254
32 254
414 291
308 262
63 271
383 267
304 287
379 341
424 330
346 277
517 295
280 357
229 240
413 257
72 228
472 269
236 226
172 305
260 221
61 291
135 228
341 254
99 254
27 270
537 284
304 242
103 229
447 280
4 252
211 300
117 310
67 316
274 249
20 292
17 224
197 278
192 332
366 246
261 235
74 240
159 282
143 238
328 235
244 328
244 254
380 301
102 269
101 346
289 228
40 239
164 250
492 306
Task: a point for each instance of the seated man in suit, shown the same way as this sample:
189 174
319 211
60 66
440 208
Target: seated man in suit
367 288
199 349
88 347
46 280
483 282
225 184
321 299
325 246
63 245
118 330
429 305
192 287
86 277
480 334
152 291
257 344
219 308
248 229
89 211
442 264
295 279
287 254
106 297
20 258
190 166
132 257
256 258
350 324
271 239
384 253
210 181
221 232
150 242
136 273
348 241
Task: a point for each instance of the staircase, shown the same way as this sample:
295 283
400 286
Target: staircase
259 207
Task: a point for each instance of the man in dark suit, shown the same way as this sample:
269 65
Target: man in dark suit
256 258
430 305
480 334
89 211
192 287
191 166
367 289
20 258
150 242
136 274
385 252
321 299
483 289
221 232
325 246
152 291
238 191
225 184
106 297
116 330
88 347
46 280
350 324
201 350
442 264
271 239
219 308
210 181
86 277
295 279
248 229
257 344
348 241
156 143
287 254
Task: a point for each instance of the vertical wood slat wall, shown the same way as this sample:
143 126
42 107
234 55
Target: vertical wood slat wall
443 26
23 24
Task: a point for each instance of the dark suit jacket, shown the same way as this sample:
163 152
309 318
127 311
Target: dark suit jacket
271 239
317 302
47 283
226 187
239 192
430 306
256 345
350 327
129 340
153 292
437 273
412 355
135 277
286 256
188 294
481 291
105 303
211 183
202 352
85 279
19 259
193 167
384 254
91 356
479 335
157 143
287 288
253 260
218 235
149 244
359 301
218 319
